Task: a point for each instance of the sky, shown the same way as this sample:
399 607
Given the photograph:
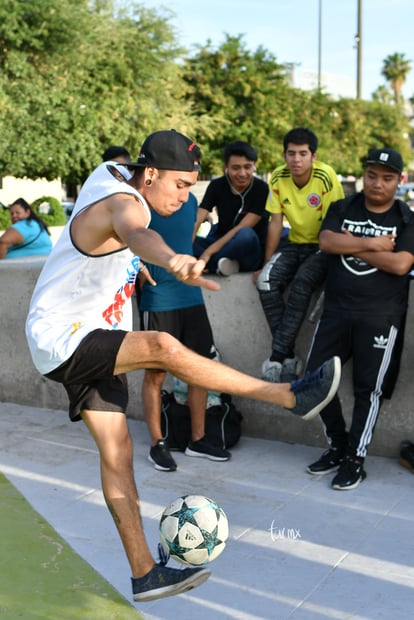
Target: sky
290 30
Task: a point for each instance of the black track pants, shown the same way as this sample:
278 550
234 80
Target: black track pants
370 342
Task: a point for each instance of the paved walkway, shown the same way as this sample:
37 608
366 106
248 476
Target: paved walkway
297 550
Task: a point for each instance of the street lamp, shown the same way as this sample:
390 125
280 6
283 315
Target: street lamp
358 41
320 46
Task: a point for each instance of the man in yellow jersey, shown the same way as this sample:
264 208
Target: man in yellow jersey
300 191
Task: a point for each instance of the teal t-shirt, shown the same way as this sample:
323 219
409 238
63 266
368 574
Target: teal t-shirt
170 293
36 240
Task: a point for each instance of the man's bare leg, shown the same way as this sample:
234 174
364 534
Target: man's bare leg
161 350
111 434
197 402
151 401
159 454
149 580
305 397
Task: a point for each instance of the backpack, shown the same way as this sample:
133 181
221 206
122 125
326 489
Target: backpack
223 422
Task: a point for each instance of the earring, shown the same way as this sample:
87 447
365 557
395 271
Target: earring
148 181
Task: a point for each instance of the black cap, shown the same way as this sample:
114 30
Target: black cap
386 157
169 150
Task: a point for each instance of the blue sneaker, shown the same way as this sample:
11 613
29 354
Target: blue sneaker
316 389
162 581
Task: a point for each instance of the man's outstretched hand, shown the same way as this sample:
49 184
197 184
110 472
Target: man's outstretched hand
189 270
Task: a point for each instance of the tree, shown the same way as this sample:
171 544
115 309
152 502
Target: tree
78 75
395 70
75 77
355 126
33 38
236 94
383 94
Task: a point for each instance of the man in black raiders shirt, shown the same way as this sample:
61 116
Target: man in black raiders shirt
370 241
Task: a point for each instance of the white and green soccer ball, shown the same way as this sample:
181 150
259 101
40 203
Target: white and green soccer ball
194 529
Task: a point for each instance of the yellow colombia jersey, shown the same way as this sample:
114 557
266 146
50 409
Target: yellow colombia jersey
304 208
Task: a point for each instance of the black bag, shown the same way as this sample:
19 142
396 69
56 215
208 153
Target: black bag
223 422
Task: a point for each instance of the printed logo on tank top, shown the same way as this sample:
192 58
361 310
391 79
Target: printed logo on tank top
114 313
365 228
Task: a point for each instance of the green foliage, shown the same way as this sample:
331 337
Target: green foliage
348 128
79 75
383 94
75 80
236 95
50 210
5 220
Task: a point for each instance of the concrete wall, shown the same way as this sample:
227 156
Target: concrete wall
12 188
243 338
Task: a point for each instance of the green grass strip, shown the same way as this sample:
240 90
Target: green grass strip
41 577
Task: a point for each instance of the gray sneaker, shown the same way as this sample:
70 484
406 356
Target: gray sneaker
272 371
316 389
162 581
291 369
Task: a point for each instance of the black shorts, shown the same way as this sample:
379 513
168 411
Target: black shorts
88 378
189 325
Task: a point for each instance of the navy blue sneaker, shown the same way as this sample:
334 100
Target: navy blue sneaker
162 581
316 389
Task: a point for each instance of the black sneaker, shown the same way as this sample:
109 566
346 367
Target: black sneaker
407 455
161 458
204 449
162 581
330 460
316 389
351 473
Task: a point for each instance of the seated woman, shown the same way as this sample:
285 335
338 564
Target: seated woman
27 236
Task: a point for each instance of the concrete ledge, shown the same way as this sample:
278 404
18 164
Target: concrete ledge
241 334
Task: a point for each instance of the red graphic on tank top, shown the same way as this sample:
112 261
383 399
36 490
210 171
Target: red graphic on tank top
114 313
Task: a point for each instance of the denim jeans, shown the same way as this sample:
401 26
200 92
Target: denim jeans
244 247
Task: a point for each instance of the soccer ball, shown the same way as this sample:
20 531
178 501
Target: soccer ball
193 529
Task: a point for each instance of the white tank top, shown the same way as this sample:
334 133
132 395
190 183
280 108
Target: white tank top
76 292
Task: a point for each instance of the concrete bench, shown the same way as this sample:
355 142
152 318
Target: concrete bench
243 338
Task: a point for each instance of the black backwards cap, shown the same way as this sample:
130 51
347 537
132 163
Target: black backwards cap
169 150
